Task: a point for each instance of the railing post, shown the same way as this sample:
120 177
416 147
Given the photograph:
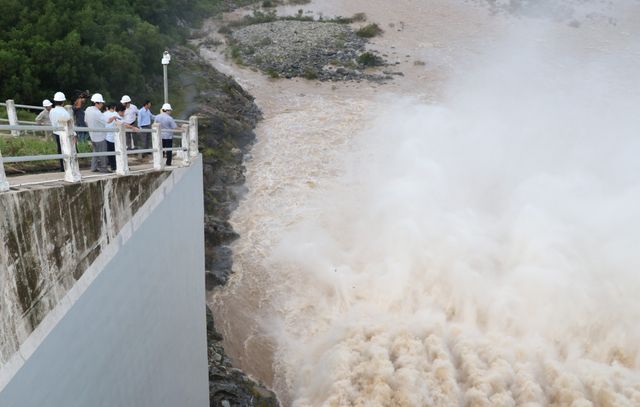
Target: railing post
122 159
186 144
4 184
12 115
193 136
156 143
68 147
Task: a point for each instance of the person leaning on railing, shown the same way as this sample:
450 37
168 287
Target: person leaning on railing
94 119
43 117
166 125
113 116
110 119
130 117
57 114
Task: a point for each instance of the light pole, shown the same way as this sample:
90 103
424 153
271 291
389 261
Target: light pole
166 58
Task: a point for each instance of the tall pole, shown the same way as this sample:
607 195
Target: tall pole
166 58
166 84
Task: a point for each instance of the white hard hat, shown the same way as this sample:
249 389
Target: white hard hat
125 99
59 97
97 98
166 106
46 103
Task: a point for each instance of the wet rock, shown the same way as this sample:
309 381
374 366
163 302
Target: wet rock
309 49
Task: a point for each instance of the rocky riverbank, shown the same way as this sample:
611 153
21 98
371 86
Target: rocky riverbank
309 49
228 116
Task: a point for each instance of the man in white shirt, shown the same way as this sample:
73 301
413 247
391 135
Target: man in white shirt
58 117
166 125
94 119
130 116
110 118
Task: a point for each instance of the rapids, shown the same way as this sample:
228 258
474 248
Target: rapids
464 235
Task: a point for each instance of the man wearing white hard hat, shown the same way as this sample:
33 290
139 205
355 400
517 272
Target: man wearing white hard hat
166 125
58 115
130 117
43 117
94 118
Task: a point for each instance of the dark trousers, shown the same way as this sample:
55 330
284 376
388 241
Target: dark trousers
59 150
168 143
112 158
145 138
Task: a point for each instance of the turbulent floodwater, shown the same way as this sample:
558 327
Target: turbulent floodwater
467 235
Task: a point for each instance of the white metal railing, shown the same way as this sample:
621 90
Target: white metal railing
188 149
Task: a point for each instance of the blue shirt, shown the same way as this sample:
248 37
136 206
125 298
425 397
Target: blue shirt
144 117
166 123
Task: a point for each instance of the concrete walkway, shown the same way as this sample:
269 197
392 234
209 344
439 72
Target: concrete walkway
28 181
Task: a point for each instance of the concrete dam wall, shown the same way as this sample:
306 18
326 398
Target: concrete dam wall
102 293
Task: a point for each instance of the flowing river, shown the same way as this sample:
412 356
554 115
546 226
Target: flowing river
464 235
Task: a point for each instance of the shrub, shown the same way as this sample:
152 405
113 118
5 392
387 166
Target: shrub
369 31
310 74
370 59
272 73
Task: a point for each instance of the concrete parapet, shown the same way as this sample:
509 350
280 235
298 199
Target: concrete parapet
49 236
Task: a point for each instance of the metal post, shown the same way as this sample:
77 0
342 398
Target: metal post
4 184
68 146
120 141
156 141
193 136
186 158
166 84
12 115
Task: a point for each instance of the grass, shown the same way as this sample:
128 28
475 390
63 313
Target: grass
298 2
33 145
369 31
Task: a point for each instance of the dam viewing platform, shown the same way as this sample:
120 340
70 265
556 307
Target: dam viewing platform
102 284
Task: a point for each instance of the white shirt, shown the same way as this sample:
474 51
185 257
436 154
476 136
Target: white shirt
131 114
110 137
94 118
57 114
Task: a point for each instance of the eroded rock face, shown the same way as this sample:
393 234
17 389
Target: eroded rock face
228 116
49 236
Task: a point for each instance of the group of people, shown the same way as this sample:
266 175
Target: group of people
107 115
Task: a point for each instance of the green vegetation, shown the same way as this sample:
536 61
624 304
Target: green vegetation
310 74
112 47
273 73
260 17
33 145
369 31
370 59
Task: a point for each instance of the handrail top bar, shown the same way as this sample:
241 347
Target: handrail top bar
58 128
25 106
31 127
